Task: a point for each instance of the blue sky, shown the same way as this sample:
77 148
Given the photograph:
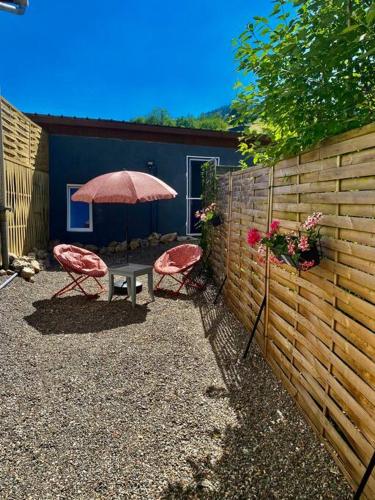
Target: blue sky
121 58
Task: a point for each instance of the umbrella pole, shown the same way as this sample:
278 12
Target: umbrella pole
126 233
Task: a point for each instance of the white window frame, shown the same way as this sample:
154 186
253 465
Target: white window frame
68 202
190 158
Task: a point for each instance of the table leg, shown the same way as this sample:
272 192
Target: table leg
110 286
151 285
133 288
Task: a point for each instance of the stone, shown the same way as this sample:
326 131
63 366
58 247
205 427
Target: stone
18 264
154 236
92 248
44 264
27 273
144 243
136 243
154 239
41 254
206 485
113 244
12 256
10 272
103 250
35 265
3 272
52 244
120 248
168 238
30 255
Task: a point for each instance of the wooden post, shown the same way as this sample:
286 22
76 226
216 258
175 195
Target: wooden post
3 213
267 275
298 291
230 199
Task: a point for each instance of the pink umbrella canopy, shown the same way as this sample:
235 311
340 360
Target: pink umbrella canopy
125 186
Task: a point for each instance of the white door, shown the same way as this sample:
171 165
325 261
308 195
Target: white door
194 190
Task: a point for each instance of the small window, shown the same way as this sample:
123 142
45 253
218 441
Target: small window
79 214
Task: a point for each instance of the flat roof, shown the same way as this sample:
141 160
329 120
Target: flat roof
94 127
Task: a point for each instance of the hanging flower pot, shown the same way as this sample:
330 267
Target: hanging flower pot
209 215
306 260
300 251
216 220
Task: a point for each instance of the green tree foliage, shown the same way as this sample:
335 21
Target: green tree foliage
160 116
313 63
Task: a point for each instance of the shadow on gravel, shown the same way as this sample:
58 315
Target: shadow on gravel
76 314
271 453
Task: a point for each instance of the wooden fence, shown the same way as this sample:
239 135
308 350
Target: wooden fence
317 332
25 173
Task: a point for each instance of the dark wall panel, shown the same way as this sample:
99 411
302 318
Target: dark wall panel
75 160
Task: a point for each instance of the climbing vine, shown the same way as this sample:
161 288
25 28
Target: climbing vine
209 195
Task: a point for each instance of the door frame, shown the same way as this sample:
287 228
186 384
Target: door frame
189 158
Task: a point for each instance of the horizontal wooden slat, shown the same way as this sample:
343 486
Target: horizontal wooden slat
318 330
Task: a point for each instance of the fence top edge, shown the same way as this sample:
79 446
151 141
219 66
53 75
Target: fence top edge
5 101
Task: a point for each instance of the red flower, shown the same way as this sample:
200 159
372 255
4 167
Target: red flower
253 237
274 227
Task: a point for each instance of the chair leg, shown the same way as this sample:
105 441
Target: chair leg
157 287
185 280
70 286
77 285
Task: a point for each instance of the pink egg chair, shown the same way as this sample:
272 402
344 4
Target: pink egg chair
81 265
179 263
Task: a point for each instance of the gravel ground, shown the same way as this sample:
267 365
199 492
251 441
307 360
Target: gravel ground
102 401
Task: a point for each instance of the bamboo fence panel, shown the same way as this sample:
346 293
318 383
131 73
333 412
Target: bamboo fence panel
318 331
25 149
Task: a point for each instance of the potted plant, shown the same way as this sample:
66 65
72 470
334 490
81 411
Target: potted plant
209 215
301 251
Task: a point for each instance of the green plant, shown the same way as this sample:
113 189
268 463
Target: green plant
161 116
313 63
209 196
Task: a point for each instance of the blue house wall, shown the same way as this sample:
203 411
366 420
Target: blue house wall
76 160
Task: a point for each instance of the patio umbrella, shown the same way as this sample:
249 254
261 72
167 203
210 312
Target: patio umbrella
126 187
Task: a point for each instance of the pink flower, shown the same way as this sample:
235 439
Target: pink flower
291 248
262 250
261 254
303 243
198 214
305 266
274 227
274 260
203 217
253 237
312 221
